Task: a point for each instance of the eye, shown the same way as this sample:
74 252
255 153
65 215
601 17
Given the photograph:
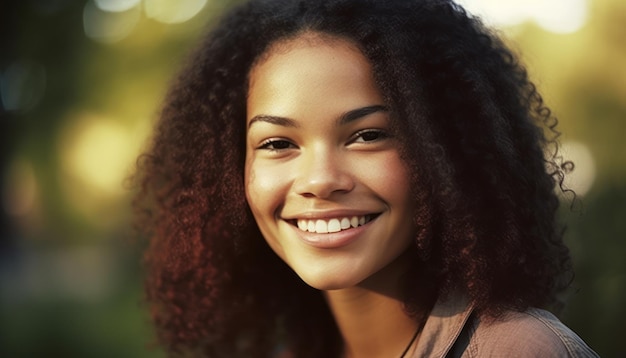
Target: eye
369 135
276 144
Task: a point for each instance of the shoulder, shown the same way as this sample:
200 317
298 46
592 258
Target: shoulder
531 333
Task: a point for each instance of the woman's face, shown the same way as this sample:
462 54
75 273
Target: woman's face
324 178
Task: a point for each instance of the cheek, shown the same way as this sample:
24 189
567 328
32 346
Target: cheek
262 194
253 194
401 185
390 178
248 182
399 180
263 189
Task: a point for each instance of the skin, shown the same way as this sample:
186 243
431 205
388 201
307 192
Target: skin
319 148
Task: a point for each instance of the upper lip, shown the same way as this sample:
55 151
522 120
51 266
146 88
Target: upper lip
329 214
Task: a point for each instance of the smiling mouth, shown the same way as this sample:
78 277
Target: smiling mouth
333 225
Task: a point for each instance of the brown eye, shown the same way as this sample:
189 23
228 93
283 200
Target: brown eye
276 144
369 135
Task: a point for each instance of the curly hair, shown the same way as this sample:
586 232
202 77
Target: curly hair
475 135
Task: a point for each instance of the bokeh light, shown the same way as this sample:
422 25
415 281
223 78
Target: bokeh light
22 85
558 16
173 12
104 25
581 179
116 5
98 152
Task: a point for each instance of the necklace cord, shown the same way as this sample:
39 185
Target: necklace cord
419 329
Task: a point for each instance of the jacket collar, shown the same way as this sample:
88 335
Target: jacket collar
443 326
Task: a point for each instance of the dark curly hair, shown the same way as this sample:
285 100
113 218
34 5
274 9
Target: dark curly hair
475 134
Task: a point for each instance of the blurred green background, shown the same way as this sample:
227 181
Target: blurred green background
80 86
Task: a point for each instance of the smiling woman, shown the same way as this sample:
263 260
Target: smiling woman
390 154
310 165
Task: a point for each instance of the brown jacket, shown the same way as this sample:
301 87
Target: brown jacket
453 331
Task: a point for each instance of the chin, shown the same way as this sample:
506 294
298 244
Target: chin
329 280
329 285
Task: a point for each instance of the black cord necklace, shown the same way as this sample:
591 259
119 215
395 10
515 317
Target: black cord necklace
412 340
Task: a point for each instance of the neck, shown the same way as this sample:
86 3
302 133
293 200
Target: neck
371 316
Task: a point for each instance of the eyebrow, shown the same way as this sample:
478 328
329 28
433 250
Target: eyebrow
360 113
344 119
280 121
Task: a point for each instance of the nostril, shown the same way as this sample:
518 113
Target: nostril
323 186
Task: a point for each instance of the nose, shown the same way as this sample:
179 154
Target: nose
322 173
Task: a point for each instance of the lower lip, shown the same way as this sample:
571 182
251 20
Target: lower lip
331 240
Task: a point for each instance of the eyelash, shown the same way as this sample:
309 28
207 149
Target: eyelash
270 144
277 144
381 135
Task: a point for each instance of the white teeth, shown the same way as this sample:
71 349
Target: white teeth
333 225
321 226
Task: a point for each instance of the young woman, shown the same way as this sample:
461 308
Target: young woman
355 178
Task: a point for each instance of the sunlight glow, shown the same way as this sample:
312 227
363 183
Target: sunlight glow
558 16
108 27
173 12
582 178
116 5
98 151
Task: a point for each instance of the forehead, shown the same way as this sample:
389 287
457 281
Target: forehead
305 39
301 50
311 69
